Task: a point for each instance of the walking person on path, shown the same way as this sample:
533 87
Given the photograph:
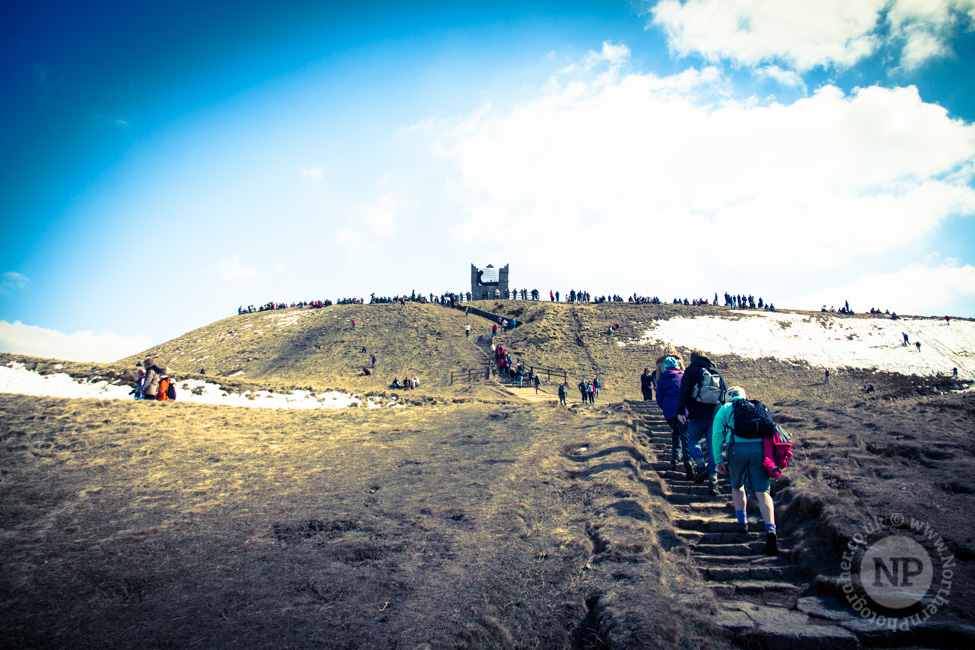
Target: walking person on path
826 379
743 459
646 385
702 389
668 394
562 394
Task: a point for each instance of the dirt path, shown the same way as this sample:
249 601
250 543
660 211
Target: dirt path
528 394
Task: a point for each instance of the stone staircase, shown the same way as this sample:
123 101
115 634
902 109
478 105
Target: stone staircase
733 564
761 598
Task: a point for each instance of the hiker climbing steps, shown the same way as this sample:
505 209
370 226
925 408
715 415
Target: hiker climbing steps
732 562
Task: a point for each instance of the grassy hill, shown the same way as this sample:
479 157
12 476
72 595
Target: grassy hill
473 518
318 349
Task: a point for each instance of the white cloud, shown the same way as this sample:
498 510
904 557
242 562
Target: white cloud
230 268
81 346
12 281
314 173
926 27
353 241
603 172
917 289
805 34
380 215
786 78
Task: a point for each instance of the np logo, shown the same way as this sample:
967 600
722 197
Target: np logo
896 572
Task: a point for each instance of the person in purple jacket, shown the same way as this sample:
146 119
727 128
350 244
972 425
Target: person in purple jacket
668 394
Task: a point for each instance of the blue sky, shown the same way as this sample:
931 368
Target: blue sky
163 165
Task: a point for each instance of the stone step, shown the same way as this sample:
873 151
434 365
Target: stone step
717 525
728 538
688 499
753 588
752 625
689 489
744 573
703 561
711 508
745 548
675 477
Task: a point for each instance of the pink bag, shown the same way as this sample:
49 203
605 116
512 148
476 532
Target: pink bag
778 451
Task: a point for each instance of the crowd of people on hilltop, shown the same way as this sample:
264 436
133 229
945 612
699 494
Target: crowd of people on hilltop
574 296
271 306
745 302
845 309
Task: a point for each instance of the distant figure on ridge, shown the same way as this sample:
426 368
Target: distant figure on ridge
646 385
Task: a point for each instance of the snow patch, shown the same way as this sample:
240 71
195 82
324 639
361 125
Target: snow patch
827 341
15 378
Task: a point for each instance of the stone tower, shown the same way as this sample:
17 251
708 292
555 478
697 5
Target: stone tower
485 280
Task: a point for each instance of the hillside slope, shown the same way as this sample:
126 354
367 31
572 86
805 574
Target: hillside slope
318 349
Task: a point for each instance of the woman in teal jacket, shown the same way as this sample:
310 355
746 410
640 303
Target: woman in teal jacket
740 457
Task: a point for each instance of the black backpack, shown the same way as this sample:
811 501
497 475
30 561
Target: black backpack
171 391
752 419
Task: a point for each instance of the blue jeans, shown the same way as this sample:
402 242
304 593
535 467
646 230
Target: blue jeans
678 440
699 431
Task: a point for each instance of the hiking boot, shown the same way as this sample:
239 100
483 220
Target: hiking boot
771 543
673 466
713 485
688 472
741 529
701 475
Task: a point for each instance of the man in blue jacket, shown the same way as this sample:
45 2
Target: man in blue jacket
702 390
